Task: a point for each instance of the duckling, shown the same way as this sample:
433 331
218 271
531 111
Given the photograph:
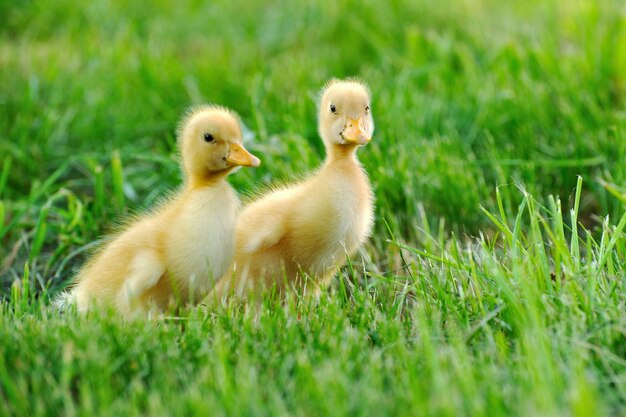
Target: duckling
178 250
303 232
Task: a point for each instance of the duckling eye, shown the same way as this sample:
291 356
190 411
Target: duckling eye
333 108
208 137
367 108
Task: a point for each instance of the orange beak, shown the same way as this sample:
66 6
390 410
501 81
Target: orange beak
238 155
354 132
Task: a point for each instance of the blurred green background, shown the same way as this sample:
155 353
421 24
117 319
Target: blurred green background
467 96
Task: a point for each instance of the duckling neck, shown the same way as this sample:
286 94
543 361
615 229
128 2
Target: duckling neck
196 182
337 152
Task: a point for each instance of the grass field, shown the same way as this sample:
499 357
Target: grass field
494 283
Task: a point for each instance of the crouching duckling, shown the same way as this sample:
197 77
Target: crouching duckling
298 236
177 251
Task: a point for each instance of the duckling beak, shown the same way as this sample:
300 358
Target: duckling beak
238 155
354 133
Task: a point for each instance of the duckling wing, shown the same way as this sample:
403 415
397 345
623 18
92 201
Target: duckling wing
266 234
145 272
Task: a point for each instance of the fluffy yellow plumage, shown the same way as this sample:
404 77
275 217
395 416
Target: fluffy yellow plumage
176 252
307 229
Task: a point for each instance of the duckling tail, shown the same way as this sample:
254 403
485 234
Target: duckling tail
64 301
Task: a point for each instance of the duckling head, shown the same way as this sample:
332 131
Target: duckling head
345 117
210 142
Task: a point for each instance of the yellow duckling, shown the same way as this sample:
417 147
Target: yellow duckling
298 236
179 249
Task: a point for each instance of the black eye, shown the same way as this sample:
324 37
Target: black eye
367 108
208 137
333 108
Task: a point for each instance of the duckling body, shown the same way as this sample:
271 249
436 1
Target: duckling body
298 236
201 233
176 252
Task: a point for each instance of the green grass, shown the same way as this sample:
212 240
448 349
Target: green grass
494 283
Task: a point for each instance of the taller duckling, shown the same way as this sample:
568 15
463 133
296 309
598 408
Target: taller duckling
182 247
298 236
